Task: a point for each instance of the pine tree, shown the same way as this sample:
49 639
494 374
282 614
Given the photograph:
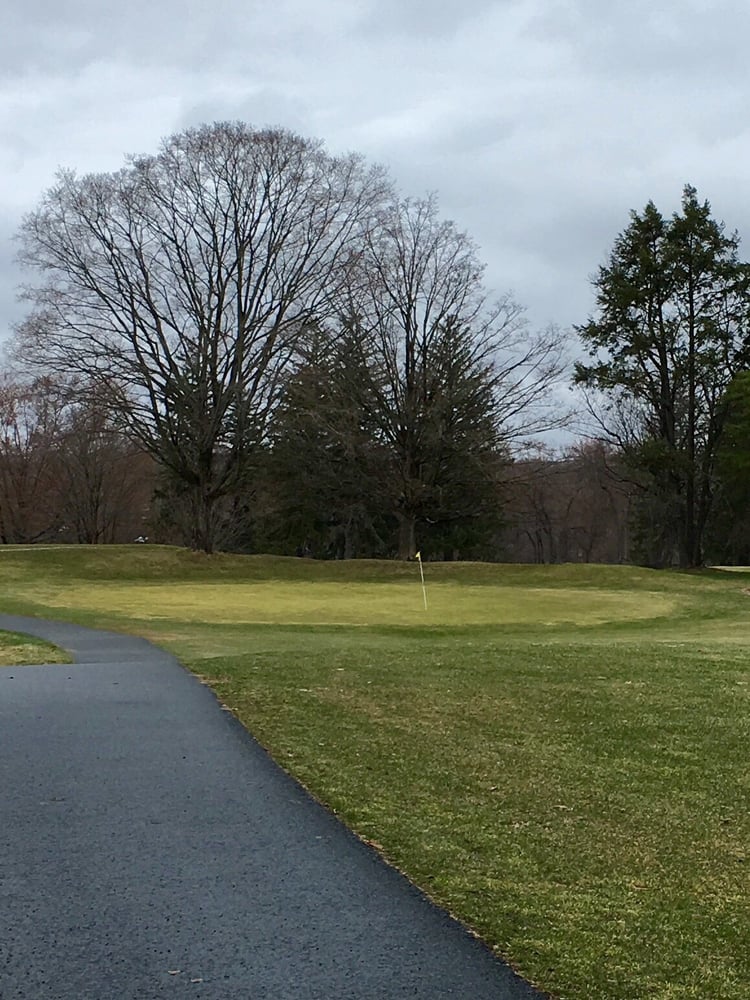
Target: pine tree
671 331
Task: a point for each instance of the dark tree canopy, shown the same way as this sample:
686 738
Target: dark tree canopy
670 334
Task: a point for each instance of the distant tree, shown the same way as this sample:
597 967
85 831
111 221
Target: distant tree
597 505
571 506
181 285
531 496
105 480
66 472
31 420
670 334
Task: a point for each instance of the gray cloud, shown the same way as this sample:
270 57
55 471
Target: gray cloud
541 123
420 18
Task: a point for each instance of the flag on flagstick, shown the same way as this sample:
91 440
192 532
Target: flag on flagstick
418 557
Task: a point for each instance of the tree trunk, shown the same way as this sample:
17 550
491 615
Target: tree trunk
350 534
407 545
203 527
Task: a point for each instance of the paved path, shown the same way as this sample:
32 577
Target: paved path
149 847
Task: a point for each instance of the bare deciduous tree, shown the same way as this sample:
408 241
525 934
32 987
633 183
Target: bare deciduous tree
182 282
66 472
569 507
455 377
105 479
31 417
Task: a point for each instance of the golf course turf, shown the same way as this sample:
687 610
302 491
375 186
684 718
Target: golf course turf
557 755
19 650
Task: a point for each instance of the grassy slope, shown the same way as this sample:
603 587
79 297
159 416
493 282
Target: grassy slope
567 773
22 650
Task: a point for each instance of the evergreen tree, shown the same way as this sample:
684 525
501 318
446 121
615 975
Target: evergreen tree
326 469
670 333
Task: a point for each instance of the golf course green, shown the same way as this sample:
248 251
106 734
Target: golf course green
558 755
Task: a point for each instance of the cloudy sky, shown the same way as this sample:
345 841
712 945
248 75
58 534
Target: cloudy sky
540 123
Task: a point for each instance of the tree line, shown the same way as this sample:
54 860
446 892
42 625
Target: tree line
69 474
277 351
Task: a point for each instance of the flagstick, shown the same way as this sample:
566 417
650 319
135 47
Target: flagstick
418 556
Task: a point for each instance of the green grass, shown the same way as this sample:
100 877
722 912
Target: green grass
22 650
558 755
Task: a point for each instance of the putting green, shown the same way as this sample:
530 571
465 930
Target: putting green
325 603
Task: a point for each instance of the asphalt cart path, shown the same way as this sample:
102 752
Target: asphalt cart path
149 847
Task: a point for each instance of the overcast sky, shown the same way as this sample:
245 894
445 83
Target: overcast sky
539 123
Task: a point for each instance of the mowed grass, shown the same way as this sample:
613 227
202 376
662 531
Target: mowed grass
22 650
294 602
558 755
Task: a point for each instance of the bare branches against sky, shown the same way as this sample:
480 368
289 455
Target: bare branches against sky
540 123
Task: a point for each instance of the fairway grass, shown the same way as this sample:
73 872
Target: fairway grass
557 755
21 650
361 604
